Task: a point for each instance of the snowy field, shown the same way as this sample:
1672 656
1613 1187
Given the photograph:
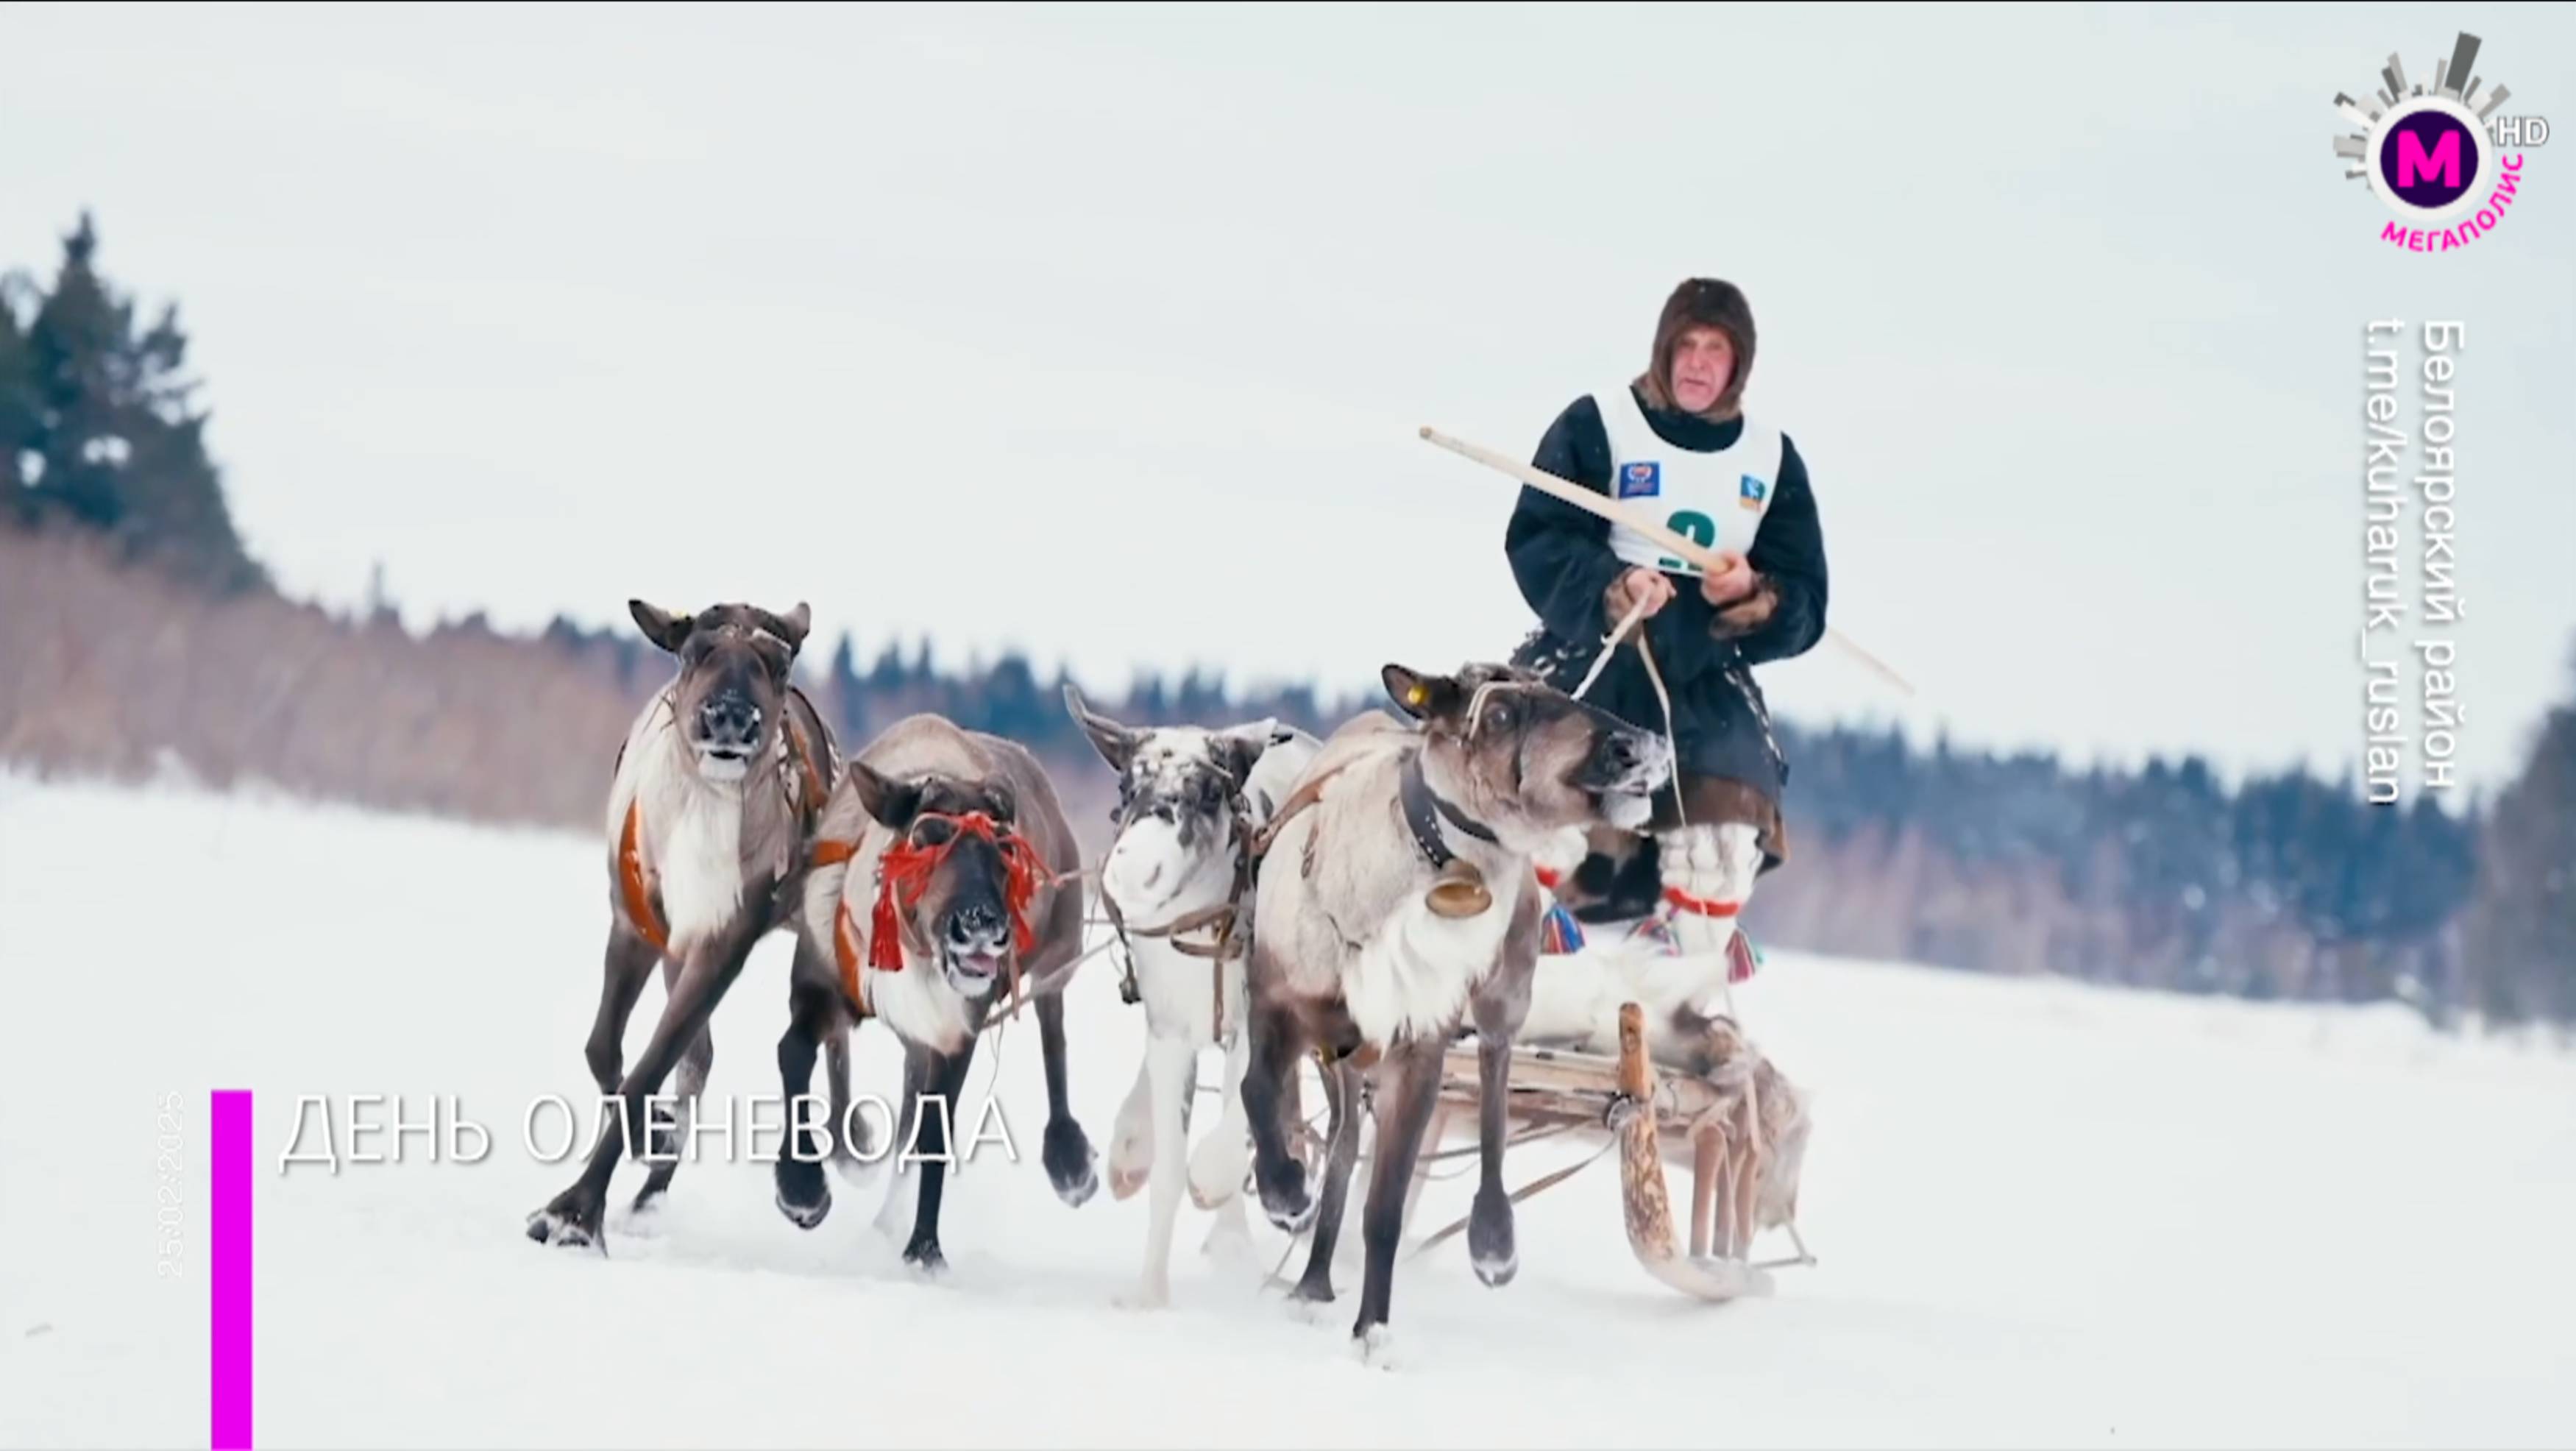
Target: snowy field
2046 1214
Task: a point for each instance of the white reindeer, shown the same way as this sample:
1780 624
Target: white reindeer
1177 880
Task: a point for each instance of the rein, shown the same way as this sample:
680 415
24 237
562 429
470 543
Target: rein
1739 968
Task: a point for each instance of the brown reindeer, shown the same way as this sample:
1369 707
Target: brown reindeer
715 794
944 879
1397 902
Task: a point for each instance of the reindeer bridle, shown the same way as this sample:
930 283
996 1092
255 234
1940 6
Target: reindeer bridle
1223 918
903 875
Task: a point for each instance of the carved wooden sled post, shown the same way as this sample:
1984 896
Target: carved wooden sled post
1740 1126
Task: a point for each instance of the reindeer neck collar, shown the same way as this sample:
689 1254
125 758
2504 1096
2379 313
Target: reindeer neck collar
1425 808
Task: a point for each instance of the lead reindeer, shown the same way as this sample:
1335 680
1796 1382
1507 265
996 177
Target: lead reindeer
719 783
944 877
1397 903
1178 881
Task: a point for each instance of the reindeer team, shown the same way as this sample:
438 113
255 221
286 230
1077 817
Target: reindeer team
1362 902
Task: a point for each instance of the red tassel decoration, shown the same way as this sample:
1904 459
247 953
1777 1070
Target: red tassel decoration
905 872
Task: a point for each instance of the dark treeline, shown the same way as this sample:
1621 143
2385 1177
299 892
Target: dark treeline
97 428
2282 886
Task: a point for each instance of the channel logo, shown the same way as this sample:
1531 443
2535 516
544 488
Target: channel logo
2437 155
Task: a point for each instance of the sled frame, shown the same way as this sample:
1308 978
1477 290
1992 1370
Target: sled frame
1653 1118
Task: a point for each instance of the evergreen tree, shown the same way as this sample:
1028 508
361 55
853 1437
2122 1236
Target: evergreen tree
100 405
19 437
2521 930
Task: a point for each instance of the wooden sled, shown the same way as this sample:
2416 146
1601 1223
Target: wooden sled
1740 1126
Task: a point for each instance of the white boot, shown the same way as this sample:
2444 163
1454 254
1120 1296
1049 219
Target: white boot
1708 874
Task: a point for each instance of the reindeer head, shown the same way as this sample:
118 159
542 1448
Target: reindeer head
956 885
1527 759
735 661
1179 798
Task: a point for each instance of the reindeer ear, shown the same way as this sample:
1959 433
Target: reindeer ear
1421 696
1115 743
660 626
891 802
1239 750
797 621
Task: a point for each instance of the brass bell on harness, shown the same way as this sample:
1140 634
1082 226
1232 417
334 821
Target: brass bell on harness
1459 890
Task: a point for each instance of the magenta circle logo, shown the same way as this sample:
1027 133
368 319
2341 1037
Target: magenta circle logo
2431 147
2429 159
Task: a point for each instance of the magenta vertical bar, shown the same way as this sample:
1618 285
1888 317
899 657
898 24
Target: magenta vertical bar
231 1166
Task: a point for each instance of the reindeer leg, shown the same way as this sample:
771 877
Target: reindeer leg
629 966
1217 1165
1279 1174
670 1125
1408 1090
935 1137
1169 1058
903 1191
1131 1138
573 1217
1071 1165
1342 1104
853 1144
1491 1247
803 1195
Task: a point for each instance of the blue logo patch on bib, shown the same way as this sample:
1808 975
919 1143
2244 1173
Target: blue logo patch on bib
1640 481
1751 493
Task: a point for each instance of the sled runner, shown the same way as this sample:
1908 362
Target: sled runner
1680 1087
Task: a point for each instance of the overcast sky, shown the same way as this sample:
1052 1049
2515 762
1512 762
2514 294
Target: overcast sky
1104 332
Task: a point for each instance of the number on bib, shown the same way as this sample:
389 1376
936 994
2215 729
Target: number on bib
1694 526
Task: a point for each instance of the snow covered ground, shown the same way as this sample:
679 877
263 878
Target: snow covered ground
2046 1214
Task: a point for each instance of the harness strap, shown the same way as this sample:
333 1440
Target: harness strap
816 789
1420 805
1307 794
1225 916
630 880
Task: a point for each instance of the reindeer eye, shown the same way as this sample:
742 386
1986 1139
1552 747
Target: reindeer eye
933 831
1500 715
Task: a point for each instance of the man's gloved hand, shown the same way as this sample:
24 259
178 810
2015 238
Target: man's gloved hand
1633 584
1749 612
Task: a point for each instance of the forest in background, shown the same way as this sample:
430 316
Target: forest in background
137 633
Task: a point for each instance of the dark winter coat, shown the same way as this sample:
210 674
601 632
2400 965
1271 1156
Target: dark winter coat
1561 558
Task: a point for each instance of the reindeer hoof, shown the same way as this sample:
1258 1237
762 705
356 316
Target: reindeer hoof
1313 1290
1125 1180
1070 1163
803 1195
1375 1345
1286 1201
926 1260
568 1223
1490 1241
1146 1297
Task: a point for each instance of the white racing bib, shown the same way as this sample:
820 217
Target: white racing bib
1715 500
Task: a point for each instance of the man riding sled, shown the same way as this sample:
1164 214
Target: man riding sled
1675 444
